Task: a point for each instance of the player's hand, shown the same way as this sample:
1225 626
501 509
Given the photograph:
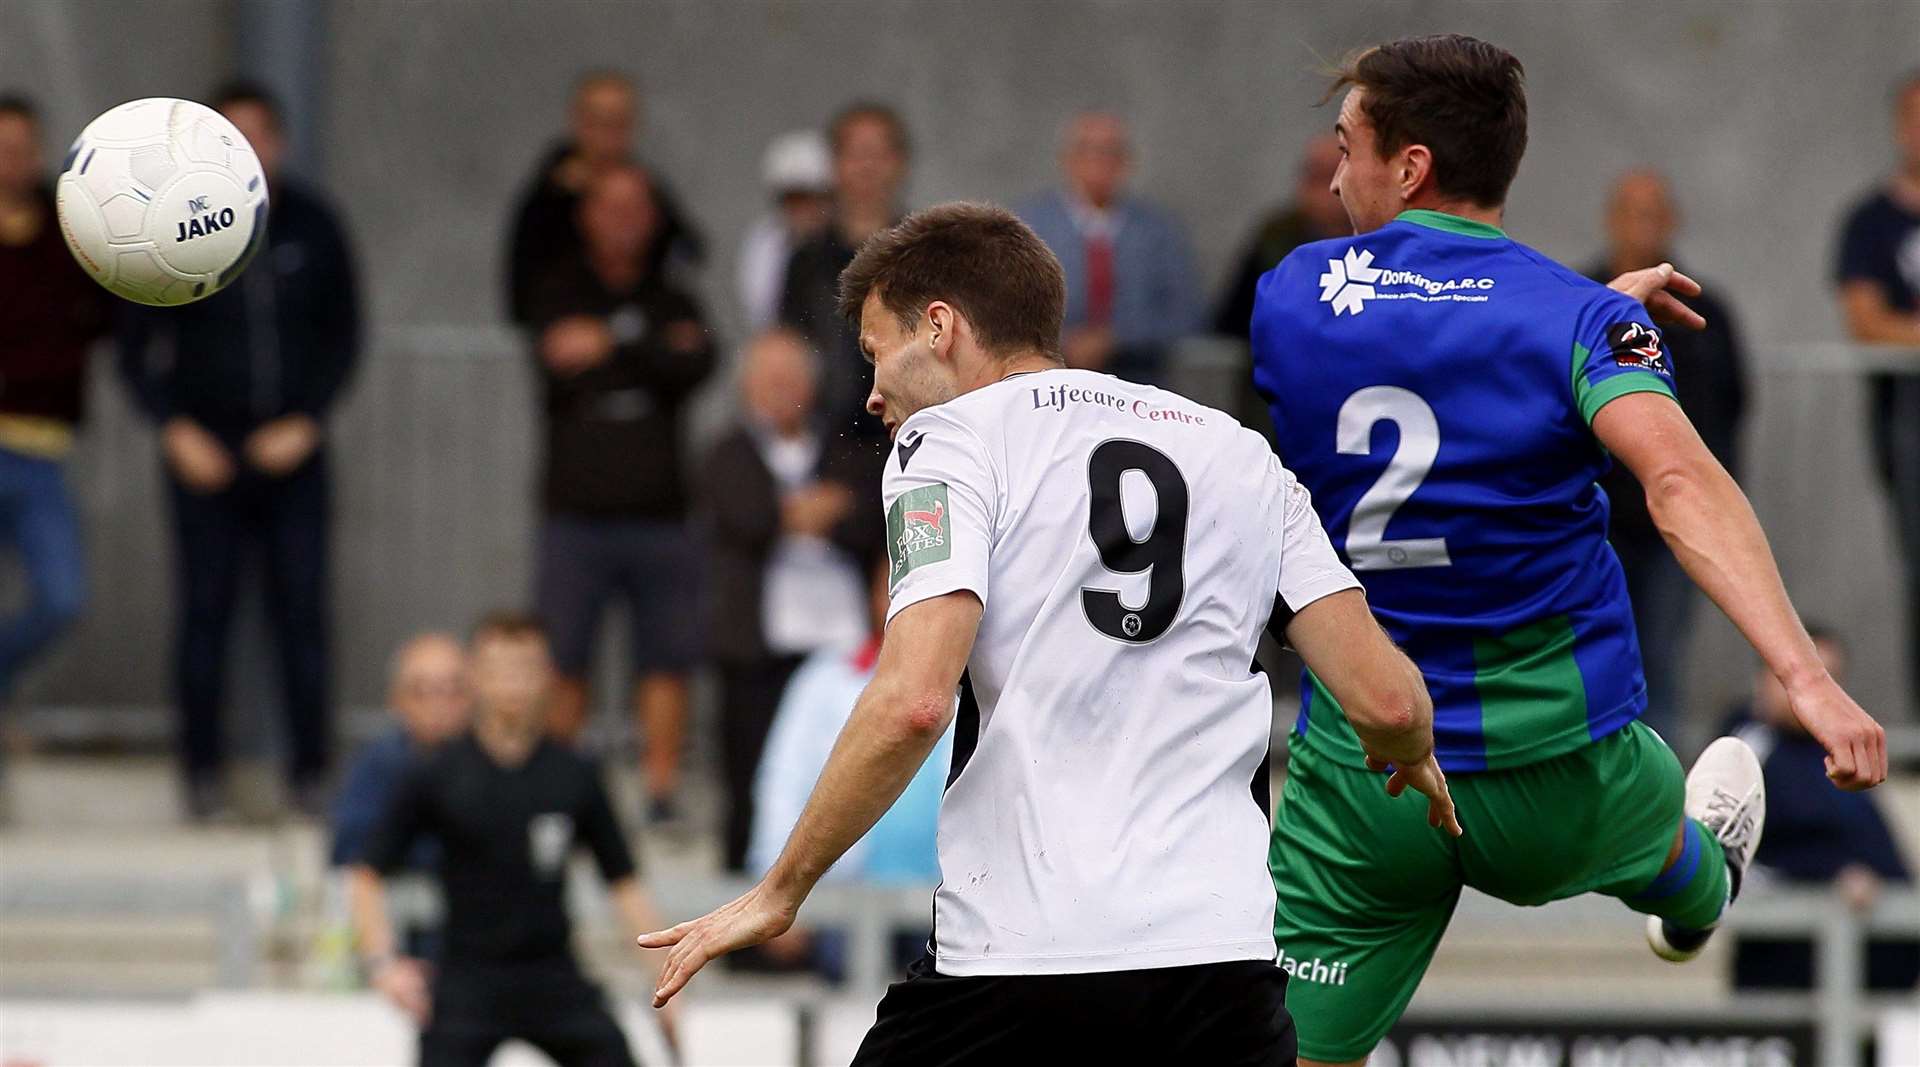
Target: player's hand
1425 778
1856 745
196 457
403 982
576 343
281 446
1656 287
748 920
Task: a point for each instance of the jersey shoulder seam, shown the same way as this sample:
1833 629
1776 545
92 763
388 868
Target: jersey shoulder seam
950 413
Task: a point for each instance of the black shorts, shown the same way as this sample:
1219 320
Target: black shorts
549 1006
1218 1014
652 567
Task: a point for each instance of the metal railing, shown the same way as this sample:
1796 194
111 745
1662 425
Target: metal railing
224 902
1838 1008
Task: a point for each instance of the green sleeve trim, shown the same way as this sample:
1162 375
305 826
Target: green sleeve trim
1594 397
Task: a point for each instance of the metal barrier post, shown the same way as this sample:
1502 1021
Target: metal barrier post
868 965
239 948
1837 986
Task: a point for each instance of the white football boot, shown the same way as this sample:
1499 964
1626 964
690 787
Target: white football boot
1727 795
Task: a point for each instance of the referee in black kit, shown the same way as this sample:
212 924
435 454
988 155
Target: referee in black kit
510 807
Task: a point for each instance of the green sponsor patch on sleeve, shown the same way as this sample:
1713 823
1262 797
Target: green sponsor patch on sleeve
919 530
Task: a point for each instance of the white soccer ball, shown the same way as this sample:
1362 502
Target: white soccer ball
162 201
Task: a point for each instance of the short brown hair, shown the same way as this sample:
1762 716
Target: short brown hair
1465 99
509 625
867 110
978 257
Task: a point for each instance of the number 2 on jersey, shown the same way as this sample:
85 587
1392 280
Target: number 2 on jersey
1368 548
1162 551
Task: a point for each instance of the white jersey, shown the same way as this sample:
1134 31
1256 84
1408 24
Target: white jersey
1105 809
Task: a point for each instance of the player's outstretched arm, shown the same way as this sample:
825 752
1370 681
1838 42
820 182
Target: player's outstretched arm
1381 691
898 719
1713 532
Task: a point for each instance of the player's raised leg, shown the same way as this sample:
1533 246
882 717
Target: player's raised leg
1726 811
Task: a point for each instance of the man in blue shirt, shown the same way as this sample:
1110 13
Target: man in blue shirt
1130 281
1450 397
1819 837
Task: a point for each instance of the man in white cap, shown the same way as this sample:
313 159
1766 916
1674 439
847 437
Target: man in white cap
798 174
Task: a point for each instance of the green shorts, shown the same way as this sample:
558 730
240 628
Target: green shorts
1366 887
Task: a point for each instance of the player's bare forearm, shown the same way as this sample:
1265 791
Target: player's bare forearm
1711 528
1714 534
1377 686
367 903
895 724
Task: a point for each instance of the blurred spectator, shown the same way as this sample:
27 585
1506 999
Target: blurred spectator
899 849
51 316
1130 283
870 153
619 350
601 122
1815 835
1710 381
241 384
1879 278
817 703
1314 214
798 175
428 695
510 808
788 534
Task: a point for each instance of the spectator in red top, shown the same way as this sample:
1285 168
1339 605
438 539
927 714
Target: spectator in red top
49 319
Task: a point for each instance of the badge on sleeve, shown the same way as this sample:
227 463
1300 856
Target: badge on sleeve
1635 345
918 530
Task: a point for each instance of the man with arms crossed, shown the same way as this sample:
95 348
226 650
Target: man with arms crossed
1450 396
1090 562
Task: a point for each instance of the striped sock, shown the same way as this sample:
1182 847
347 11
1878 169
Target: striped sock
1694 891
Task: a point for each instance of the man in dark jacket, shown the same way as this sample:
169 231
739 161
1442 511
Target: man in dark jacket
619 350
241 384
1817 836
870 154
601 122
52 314
784 503
1710 381
1313 214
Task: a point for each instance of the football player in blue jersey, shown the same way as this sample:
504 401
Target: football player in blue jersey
1450 397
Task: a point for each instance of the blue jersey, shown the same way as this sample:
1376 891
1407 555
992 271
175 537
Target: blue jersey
1433 384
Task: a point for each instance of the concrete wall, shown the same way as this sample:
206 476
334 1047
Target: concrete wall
1769 116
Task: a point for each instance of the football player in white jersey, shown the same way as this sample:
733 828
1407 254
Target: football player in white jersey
1090 563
